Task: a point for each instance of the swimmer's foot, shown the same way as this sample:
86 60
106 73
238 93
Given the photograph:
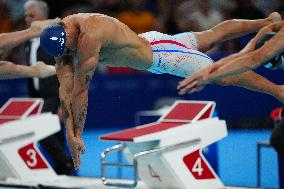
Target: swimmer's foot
274 17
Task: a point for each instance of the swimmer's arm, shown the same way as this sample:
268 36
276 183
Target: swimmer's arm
65 75
9 70
83 75
10 40
248 60
276 27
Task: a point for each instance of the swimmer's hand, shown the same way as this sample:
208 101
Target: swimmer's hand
43 70
38 26
195 82
77 148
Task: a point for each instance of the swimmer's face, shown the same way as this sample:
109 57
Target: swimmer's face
69 40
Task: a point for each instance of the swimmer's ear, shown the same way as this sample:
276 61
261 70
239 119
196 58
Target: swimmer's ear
61 23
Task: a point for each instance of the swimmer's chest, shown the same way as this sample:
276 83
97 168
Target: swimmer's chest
122 56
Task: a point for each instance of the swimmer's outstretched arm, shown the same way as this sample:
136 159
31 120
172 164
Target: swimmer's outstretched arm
250 58
83 74
9 70
65 75
245 60
10 40
73 92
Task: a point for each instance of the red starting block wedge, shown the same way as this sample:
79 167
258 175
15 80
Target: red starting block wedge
19 108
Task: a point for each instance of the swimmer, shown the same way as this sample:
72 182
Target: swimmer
97 38
270 53
10 70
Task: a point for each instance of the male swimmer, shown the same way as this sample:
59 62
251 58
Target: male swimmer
97 38
270 54
9 70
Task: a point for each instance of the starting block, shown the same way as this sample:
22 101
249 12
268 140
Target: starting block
168 153
21 126
165 154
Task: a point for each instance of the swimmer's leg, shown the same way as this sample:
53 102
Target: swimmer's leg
249 58
231 29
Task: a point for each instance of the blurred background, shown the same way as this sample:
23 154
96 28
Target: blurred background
117 94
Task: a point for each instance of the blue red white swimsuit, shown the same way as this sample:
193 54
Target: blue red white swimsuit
176 54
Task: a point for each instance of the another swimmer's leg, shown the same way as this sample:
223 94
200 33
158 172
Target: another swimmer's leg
231 29
253 81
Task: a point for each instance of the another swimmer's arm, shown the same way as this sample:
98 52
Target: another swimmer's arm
10 40
248 61
65 75
9 70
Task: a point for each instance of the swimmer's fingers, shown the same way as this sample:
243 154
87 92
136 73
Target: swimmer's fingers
184 83
197 89
77 147
188 87
195 81
38 26
43 70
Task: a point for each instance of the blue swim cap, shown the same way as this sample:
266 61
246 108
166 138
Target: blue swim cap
53 40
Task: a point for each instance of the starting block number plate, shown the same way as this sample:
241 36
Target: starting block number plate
31 157
197 166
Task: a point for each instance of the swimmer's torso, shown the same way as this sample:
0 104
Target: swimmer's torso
120 46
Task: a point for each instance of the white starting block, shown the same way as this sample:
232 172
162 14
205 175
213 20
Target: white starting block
168 153
21 162
21 126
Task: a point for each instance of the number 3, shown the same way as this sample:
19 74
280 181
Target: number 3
32 155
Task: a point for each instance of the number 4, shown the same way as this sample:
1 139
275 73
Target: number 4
153 173
197 168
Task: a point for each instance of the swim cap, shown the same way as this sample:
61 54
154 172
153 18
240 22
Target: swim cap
277 62
53 40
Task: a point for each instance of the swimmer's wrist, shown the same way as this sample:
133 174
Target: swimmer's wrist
32 32
79 132
69 134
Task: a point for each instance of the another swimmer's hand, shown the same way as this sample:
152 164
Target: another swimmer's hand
42 70
38 26
195 82
77 148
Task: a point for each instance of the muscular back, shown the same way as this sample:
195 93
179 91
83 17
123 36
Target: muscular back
116 44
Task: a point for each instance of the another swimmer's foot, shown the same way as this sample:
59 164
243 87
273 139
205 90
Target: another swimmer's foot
274 17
